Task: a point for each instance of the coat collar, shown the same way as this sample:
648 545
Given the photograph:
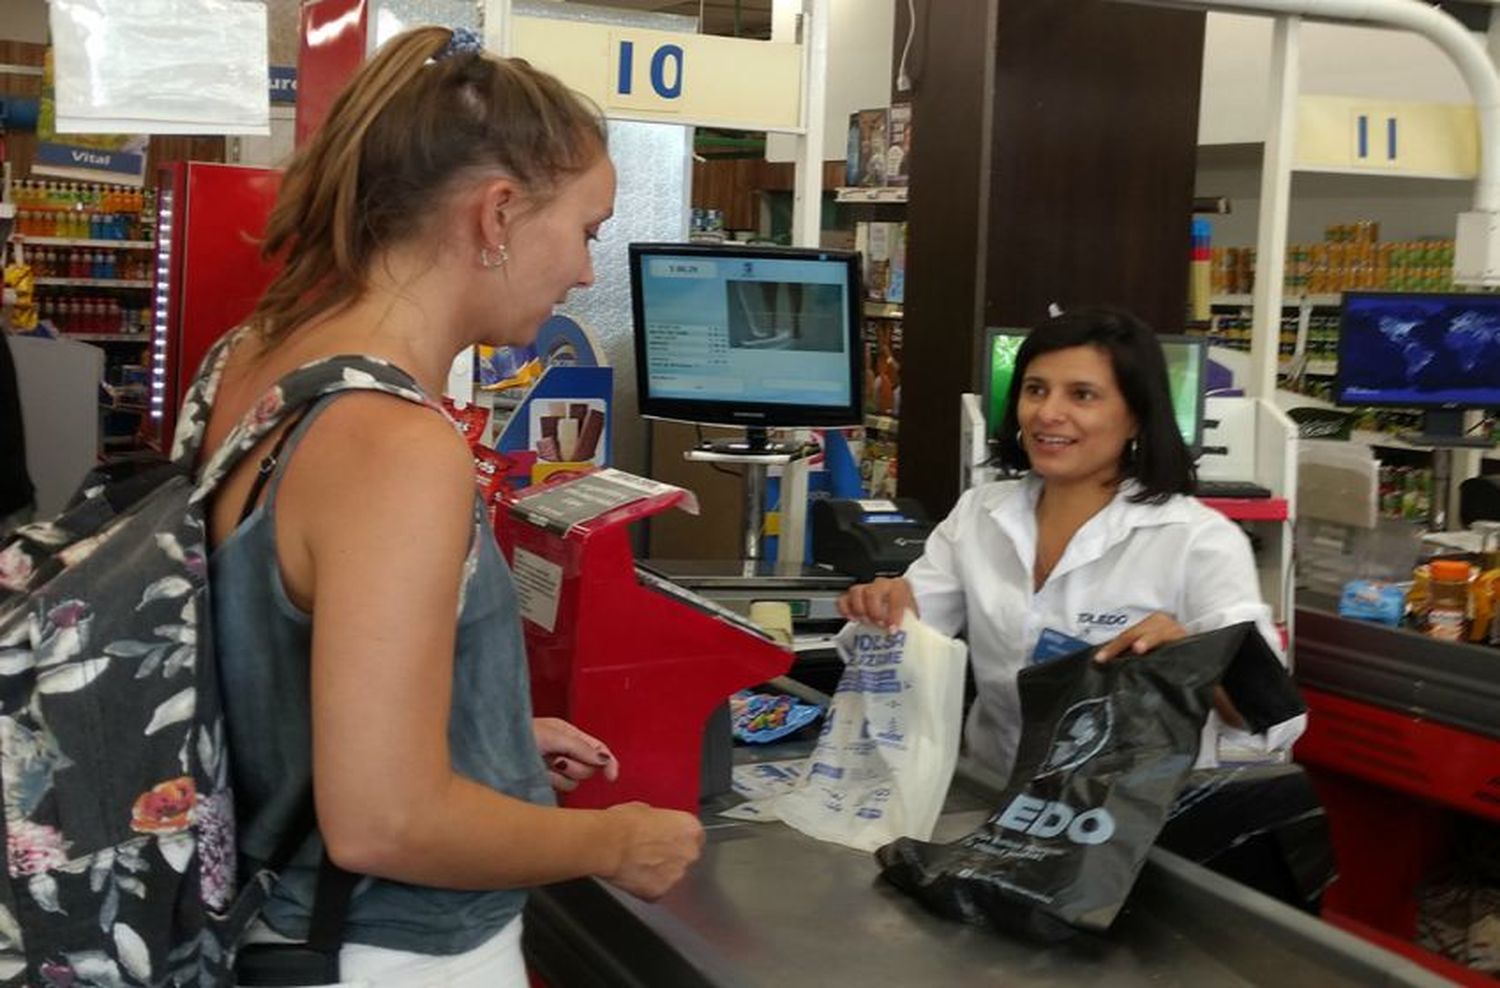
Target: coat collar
1015 513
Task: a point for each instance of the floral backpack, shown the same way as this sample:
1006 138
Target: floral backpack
118 820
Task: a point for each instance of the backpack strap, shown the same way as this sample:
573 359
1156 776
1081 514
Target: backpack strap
192 419
294 392
269 462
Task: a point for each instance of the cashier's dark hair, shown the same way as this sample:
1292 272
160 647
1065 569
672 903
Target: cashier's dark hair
428 110
1160 462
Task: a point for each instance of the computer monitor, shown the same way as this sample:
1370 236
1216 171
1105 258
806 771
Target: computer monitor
1419 351
1186 358
752 336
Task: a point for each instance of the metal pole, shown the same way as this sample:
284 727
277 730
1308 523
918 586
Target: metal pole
496 18
807 196
755 508
807 228
1275 199
1442 489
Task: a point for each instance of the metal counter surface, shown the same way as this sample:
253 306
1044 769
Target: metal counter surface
768 906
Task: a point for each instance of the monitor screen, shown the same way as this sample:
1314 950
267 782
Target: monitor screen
1186 358
754 336
1419 351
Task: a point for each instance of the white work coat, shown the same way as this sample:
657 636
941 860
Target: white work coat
1130 560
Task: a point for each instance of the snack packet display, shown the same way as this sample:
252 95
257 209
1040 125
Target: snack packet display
472 420
20 285
1373 600
505 367
760 718
489 472
1105 750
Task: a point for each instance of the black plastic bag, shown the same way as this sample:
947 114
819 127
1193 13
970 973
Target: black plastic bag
1103 754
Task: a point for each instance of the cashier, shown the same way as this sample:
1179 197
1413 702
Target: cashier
1099 545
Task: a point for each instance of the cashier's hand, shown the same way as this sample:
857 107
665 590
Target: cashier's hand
570 754
1154 631
1138 639
882 603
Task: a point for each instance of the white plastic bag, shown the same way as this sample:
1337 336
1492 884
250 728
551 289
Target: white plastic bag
890 738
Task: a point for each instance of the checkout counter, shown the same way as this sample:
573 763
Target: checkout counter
1403 747
767 906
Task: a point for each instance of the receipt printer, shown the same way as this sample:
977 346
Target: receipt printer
868 538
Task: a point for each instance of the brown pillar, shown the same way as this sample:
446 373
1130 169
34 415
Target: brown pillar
1053 158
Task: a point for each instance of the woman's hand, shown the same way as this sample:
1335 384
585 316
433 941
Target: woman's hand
1140 638
1154 631
570 754
656 848
882 603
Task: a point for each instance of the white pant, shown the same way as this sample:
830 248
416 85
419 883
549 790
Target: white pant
496 963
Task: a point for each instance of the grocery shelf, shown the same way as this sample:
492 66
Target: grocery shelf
109 337
71 242
874 194
1327 301
882 310
1387 439
882 423
1317 368
94 282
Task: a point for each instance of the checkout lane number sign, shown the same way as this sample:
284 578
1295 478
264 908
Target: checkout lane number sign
646 73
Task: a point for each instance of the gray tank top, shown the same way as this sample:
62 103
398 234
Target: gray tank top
264 645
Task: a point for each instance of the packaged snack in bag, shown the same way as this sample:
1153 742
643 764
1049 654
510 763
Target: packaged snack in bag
1104 752
472 420
490 469
760 718
889 745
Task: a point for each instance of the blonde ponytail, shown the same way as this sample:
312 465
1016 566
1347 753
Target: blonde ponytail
397 134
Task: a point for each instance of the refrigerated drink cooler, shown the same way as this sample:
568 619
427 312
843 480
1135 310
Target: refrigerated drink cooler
208 272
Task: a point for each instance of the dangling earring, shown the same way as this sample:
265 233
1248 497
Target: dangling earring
1131 449
492 261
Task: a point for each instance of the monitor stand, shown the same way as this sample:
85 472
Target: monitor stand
757 455
1443 431
756 443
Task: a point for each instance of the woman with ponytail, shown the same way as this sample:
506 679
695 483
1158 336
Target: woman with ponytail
449 200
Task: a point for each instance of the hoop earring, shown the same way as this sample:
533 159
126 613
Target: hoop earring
1021 438
497 260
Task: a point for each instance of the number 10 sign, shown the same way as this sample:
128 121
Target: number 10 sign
693 79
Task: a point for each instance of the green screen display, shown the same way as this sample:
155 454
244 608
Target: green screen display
1184 359
1185 379
1002 363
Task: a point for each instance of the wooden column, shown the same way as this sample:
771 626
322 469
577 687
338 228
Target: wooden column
1053 158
